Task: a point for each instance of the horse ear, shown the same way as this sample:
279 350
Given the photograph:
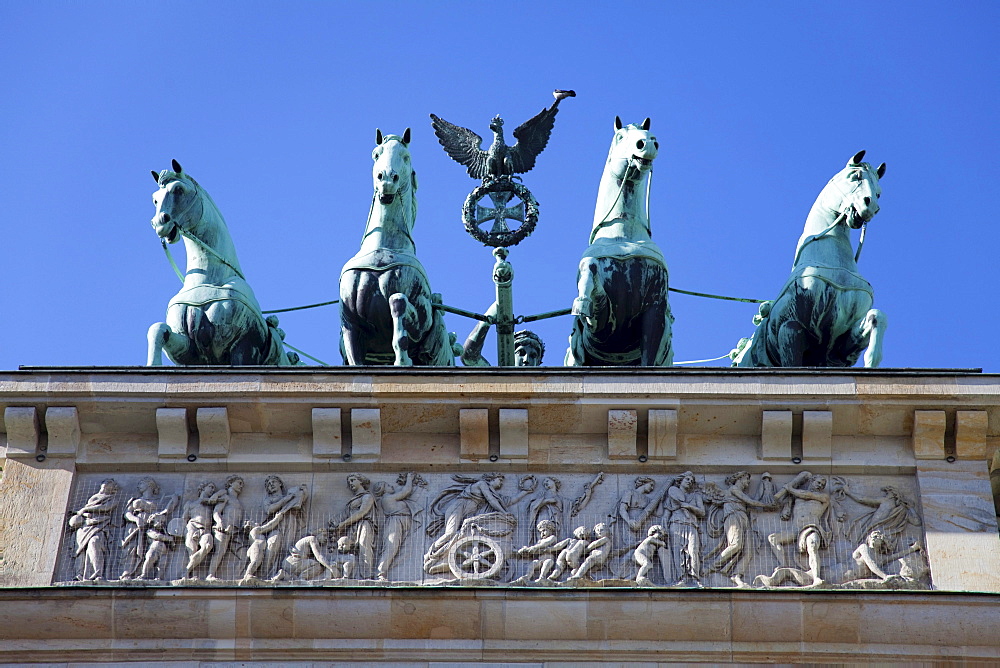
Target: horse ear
406 136
645 124
881 170
378 137
177 166
858 157
618 123
156 176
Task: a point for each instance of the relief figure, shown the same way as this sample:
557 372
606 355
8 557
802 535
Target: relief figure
227 521
160 541
141 511
260 534
736 546
454 505
631 513
344 560
872 557
571 555
811 529
93 524
686 509
306 559
653 545
598 551
398 515
541 550
892 515
291 506
197 519
361 522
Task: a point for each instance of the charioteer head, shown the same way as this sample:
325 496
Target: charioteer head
528 348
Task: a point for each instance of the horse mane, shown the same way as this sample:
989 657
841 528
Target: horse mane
413 198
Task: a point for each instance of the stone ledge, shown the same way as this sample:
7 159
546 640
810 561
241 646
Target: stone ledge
464 624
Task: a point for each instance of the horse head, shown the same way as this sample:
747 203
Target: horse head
178 203
392 173
633 150
859 191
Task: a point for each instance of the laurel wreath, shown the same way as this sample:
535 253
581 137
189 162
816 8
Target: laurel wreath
500 239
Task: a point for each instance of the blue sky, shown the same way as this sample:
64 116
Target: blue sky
274 111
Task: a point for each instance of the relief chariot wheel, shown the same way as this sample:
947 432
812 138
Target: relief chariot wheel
500 191
475 557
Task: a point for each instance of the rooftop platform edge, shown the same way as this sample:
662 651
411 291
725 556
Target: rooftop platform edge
493 371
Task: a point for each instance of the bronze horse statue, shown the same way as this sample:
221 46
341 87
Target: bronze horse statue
622 317
386 306
823 315
215 318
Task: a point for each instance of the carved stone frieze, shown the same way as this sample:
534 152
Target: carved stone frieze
686 529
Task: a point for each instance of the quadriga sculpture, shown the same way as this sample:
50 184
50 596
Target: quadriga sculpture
823 315
387 310
622 314
215 318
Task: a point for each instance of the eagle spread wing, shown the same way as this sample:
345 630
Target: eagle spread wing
532 136
463 145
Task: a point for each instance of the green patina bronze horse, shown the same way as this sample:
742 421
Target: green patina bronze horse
386 306
823 316
622 317
215 318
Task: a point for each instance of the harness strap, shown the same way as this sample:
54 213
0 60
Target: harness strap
861 242
188 235
170 257
816 237
371 230
210 250
605 221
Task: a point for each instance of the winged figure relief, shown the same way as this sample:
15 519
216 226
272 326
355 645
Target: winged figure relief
499 160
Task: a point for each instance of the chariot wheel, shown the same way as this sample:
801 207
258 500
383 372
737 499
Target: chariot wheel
475 557
500 191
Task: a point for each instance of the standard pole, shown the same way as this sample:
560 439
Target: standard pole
503 276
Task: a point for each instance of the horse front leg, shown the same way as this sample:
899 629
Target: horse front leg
656 346
354 294
790 346
587 284
872 328
352 346
161 338
404 321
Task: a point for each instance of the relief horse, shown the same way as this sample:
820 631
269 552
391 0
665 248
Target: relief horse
387 309
622 317
215 318
823 315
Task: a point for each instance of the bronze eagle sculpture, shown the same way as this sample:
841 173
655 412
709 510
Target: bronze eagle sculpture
499 160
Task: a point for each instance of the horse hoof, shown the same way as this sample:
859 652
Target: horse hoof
583 307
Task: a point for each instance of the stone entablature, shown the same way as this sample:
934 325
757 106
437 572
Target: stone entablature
616 440
129 484
850 418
